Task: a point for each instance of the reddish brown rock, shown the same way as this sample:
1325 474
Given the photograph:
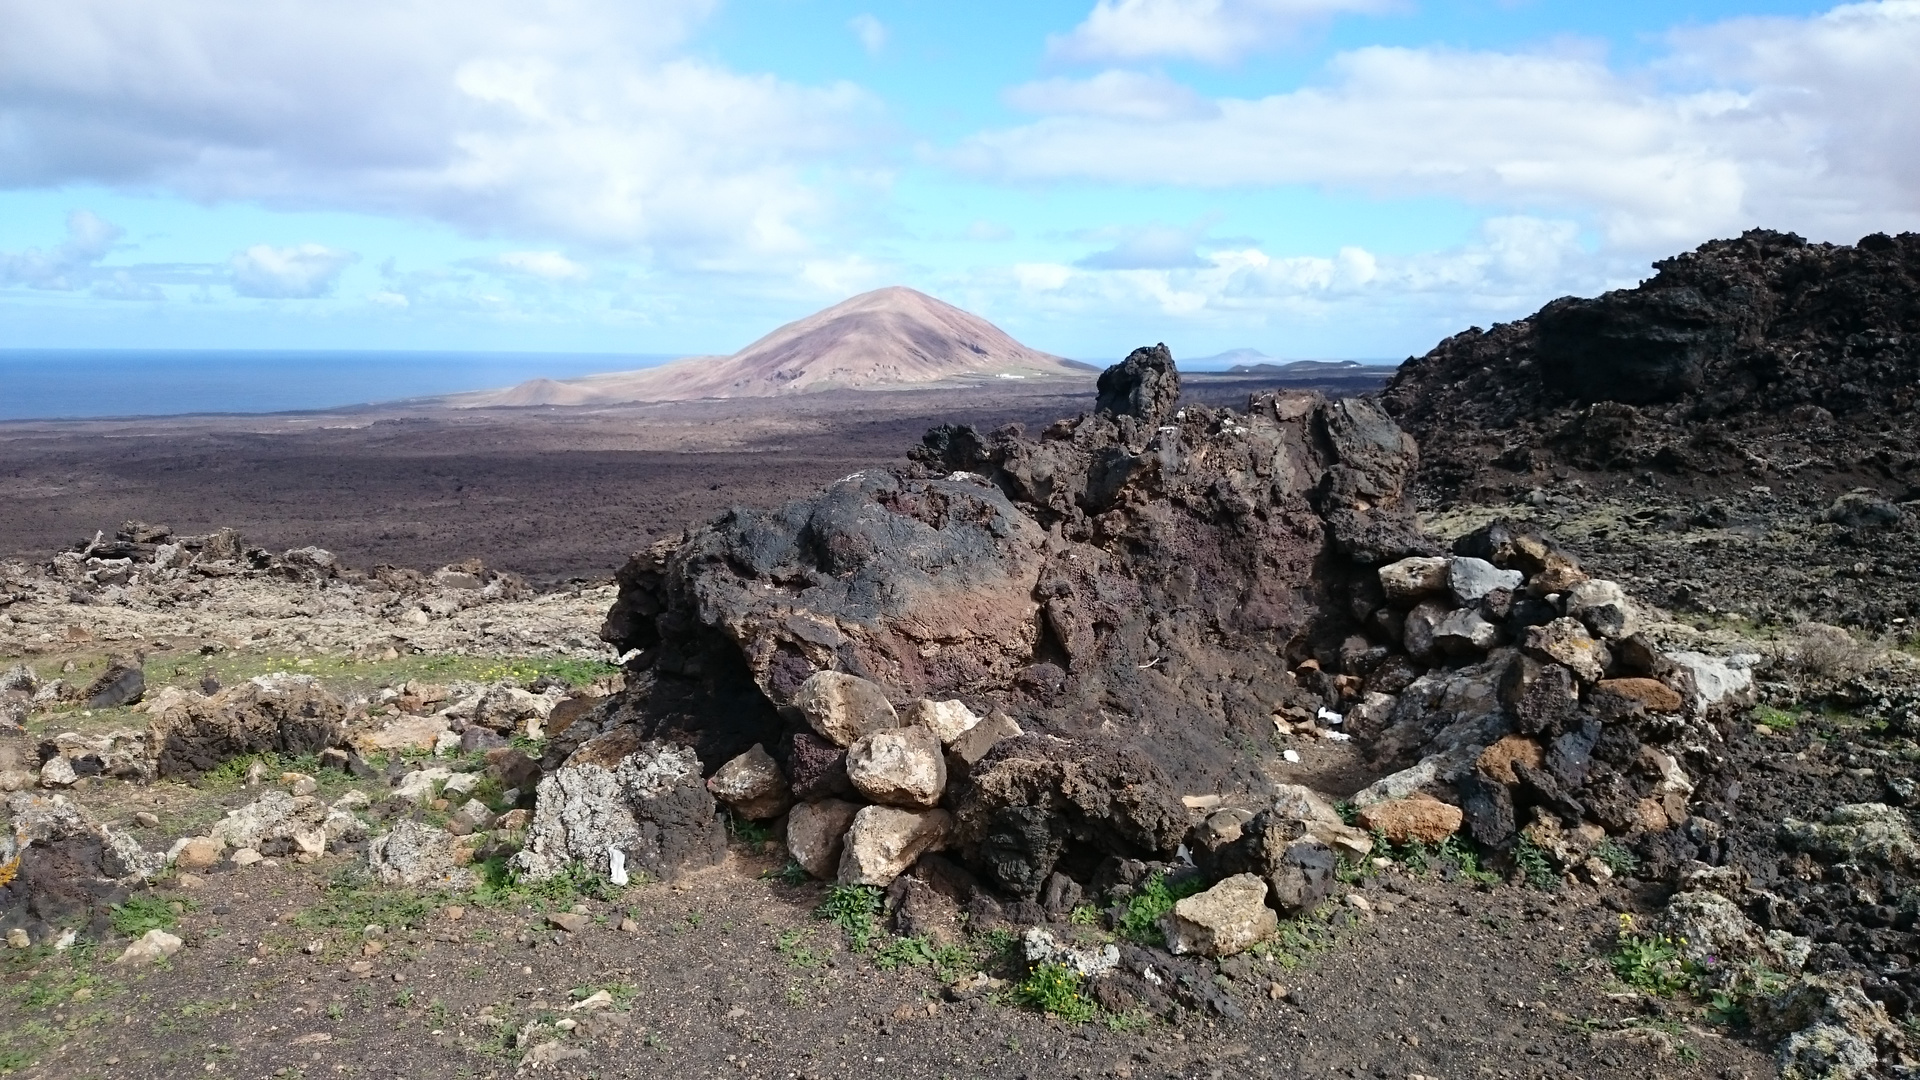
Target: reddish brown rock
1419 817
1497 761
1651 694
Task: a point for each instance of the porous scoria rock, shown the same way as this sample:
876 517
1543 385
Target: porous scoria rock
1228 918
285 714
1420 818
1650 694
621 790
884 840
1033 796
817 769
1566 642
1856 832
416 854
844 708
816 835
1604 608
902 767
1830 1030
753 785
948 720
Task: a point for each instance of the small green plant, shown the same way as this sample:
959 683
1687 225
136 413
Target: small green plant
143 913
1616 857
1085 915
756 835
1054 989
1155 897
1775 720
791 945
854 909
791 874
352 899
1130 1021
335 1011
1348 812
904 952
1531 863
1649 962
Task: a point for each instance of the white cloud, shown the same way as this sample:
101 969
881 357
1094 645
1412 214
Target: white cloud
68 265
1149 247
303 272
550 265
1123 95
1794 123
1213 31
570 119
871 32
1513 265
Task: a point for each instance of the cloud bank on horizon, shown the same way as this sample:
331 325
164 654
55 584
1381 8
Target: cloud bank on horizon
1312 177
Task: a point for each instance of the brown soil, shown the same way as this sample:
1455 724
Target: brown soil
1444 980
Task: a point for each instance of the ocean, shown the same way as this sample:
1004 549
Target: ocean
73 383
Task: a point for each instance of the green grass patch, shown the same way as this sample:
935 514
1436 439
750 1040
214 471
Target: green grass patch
756 835
1055 989
1616 857
855 909
1775 720
352 900
1155 897
140 914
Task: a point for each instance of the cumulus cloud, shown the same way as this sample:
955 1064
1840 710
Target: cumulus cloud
1212 31
303 272
1387 300
871 32
68 265
1798 123
574 119
1123 95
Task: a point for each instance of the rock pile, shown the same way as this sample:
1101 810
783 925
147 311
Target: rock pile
1049 659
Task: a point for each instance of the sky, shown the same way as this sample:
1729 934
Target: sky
1310 178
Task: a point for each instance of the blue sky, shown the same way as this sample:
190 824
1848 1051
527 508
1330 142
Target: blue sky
1313 178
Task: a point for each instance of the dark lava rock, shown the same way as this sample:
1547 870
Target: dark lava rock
121 684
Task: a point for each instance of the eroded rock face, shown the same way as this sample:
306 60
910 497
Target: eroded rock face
623 791
286 714
843 709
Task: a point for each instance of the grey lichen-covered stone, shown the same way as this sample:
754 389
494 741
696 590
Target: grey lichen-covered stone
902 767
1710 682
1856 832
753 785
1717 937
270 823
416 855
844 708
1040 946
1229 918
1825 1051
621 791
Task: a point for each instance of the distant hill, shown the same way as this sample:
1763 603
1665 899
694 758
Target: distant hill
1298 367
889 338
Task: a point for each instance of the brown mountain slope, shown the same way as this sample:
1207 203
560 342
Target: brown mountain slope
888 338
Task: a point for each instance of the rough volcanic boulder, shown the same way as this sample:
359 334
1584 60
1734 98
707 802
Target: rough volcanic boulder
287 714
622 791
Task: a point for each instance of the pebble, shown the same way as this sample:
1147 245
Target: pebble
571 921
18 939
628 926
146 819
361 968
455 912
